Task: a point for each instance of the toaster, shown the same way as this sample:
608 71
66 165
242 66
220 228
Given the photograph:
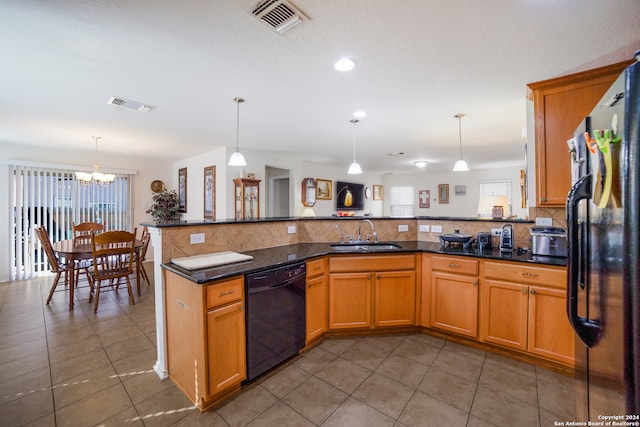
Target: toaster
549 241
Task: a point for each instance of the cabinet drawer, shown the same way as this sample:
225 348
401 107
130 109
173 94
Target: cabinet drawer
549 276
455 265
224 292
351 264
316 267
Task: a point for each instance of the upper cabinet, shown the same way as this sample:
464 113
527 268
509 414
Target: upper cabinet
560 104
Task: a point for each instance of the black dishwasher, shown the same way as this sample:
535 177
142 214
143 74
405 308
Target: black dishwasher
275 315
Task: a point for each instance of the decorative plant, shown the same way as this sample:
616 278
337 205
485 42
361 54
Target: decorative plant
165 206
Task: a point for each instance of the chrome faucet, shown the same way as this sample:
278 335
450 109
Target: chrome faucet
373 231
342 234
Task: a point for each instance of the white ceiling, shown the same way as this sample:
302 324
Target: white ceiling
420 62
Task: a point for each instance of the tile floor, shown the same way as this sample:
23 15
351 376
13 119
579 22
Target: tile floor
61 368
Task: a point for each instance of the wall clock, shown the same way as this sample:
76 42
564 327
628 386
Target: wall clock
157 186
367 192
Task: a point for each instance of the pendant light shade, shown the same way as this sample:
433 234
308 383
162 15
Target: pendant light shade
237 159
461 165
86 178
354 168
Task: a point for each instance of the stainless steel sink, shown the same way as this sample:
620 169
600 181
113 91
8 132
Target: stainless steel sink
350 247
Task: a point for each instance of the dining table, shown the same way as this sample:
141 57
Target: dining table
76 250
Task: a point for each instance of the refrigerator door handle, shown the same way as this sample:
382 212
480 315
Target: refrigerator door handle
588 330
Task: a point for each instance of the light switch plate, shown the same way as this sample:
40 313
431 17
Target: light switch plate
291 229
545 222
403 227
196 238
424 227
436 228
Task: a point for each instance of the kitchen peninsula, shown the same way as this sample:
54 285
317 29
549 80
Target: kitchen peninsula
464 294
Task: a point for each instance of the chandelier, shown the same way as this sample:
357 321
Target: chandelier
86 178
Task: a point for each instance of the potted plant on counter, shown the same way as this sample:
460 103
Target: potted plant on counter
165 206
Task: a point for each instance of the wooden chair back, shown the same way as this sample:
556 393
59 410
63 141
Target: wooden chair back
113 254
82 232
146 239
45 242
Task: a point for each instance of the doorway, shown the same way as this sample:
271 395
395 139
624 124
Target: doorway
278 192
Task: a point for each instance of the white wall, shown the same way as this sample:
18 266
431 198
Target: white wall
458 206
148 169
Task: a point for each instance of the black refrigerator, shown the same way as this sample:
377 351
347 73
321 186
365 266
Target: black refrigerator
603 227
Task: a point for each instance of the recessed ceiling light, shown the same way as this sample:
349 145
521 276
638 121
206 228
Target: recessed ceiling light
346 64
397 153
360 114
420 163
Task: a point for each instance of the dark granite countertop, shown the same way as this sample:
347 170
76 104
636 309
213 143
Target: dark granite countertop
281 255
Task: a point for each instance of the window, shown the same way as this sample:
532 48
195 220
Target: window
402 201
496 188
54 198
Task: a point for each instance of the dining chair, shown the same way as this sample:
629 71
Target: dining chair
146 239
57 266
82 236
113 254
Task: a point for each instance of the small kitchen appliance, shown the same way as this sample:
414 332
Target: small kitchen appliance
506 238
549 241
447 240
484 241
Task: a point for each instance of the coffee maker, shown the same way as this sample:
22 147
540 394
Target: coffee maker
484 241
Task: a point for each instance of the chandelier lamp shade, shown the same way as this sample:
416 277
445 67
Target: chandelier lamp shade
237 159
354 168
461 165
86 178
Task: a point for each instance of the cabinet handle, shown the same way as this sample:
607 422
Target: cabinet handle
309 285
525 274
454 265
368 276
227 292
524 290
378 277
533 292
475 283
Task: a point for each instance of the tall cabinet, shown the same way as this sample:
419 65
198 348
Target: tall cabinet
247 198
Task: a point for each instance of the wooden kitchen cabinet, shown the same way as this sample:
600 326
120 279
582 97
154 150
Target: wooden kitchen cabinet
205 337
560 104
454 295
524 307
371 291
317 299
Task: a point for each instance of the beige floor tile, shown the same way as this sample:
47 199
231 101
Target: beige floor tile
337 346
417 351
314 360
74 366
557 399
11 337
164 408
94 408
285 380
144 384
244 407
464 350
460 365
315 399
29 408
354 413
426 411
511 364
365 355
129 347
197 419
427 339
520 386
455 391
344 375
140 362
128 417
80 386
60 353
387 343
20 350
23 365
384 394
45 421
477 422
403 370
501 409
119 334
22 385
280 415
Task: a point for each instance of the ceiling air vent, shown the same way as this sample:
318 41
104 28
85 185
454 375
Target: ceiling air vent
132 105
279 15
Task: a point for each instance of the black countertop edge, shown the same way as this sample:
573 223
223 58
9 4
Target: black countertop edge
282 255
293 218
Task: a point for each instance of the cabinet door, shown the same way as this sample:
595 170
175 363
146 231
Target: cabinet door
316 307
454 303
550 334
350 300
395 293
226 347
503 313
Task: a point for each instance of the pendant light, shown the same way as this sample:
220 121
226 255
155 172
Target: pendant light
461 165
237 159
354 168
85 178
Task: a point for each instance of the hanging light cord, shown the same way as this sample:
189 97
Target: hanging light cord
238 101
95 165
460 116
354 121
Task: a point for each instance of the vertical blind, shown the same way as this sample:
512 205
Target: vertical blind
54 198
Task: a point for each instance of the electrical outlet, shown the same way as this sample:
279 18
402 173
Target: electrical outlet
403 227
196 238
496 231
545 222
291 229
436 228
424 227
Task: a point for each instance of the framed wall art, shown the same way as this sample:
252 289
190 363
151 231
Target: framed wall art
377 192
324 189
443 193
423 198
210 192
182 190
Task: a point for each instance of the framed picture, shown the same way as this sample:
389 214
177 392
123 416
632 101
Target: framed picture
423 198
443 193
461 190
210 192
324 189
377 192
182 190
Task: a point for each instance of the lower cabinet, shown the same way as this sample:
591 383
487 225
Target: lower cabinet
372 291
524 307
316 298
206 351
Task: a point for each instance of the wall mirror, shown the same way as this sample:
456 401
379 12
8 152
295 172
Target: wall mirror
308 192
